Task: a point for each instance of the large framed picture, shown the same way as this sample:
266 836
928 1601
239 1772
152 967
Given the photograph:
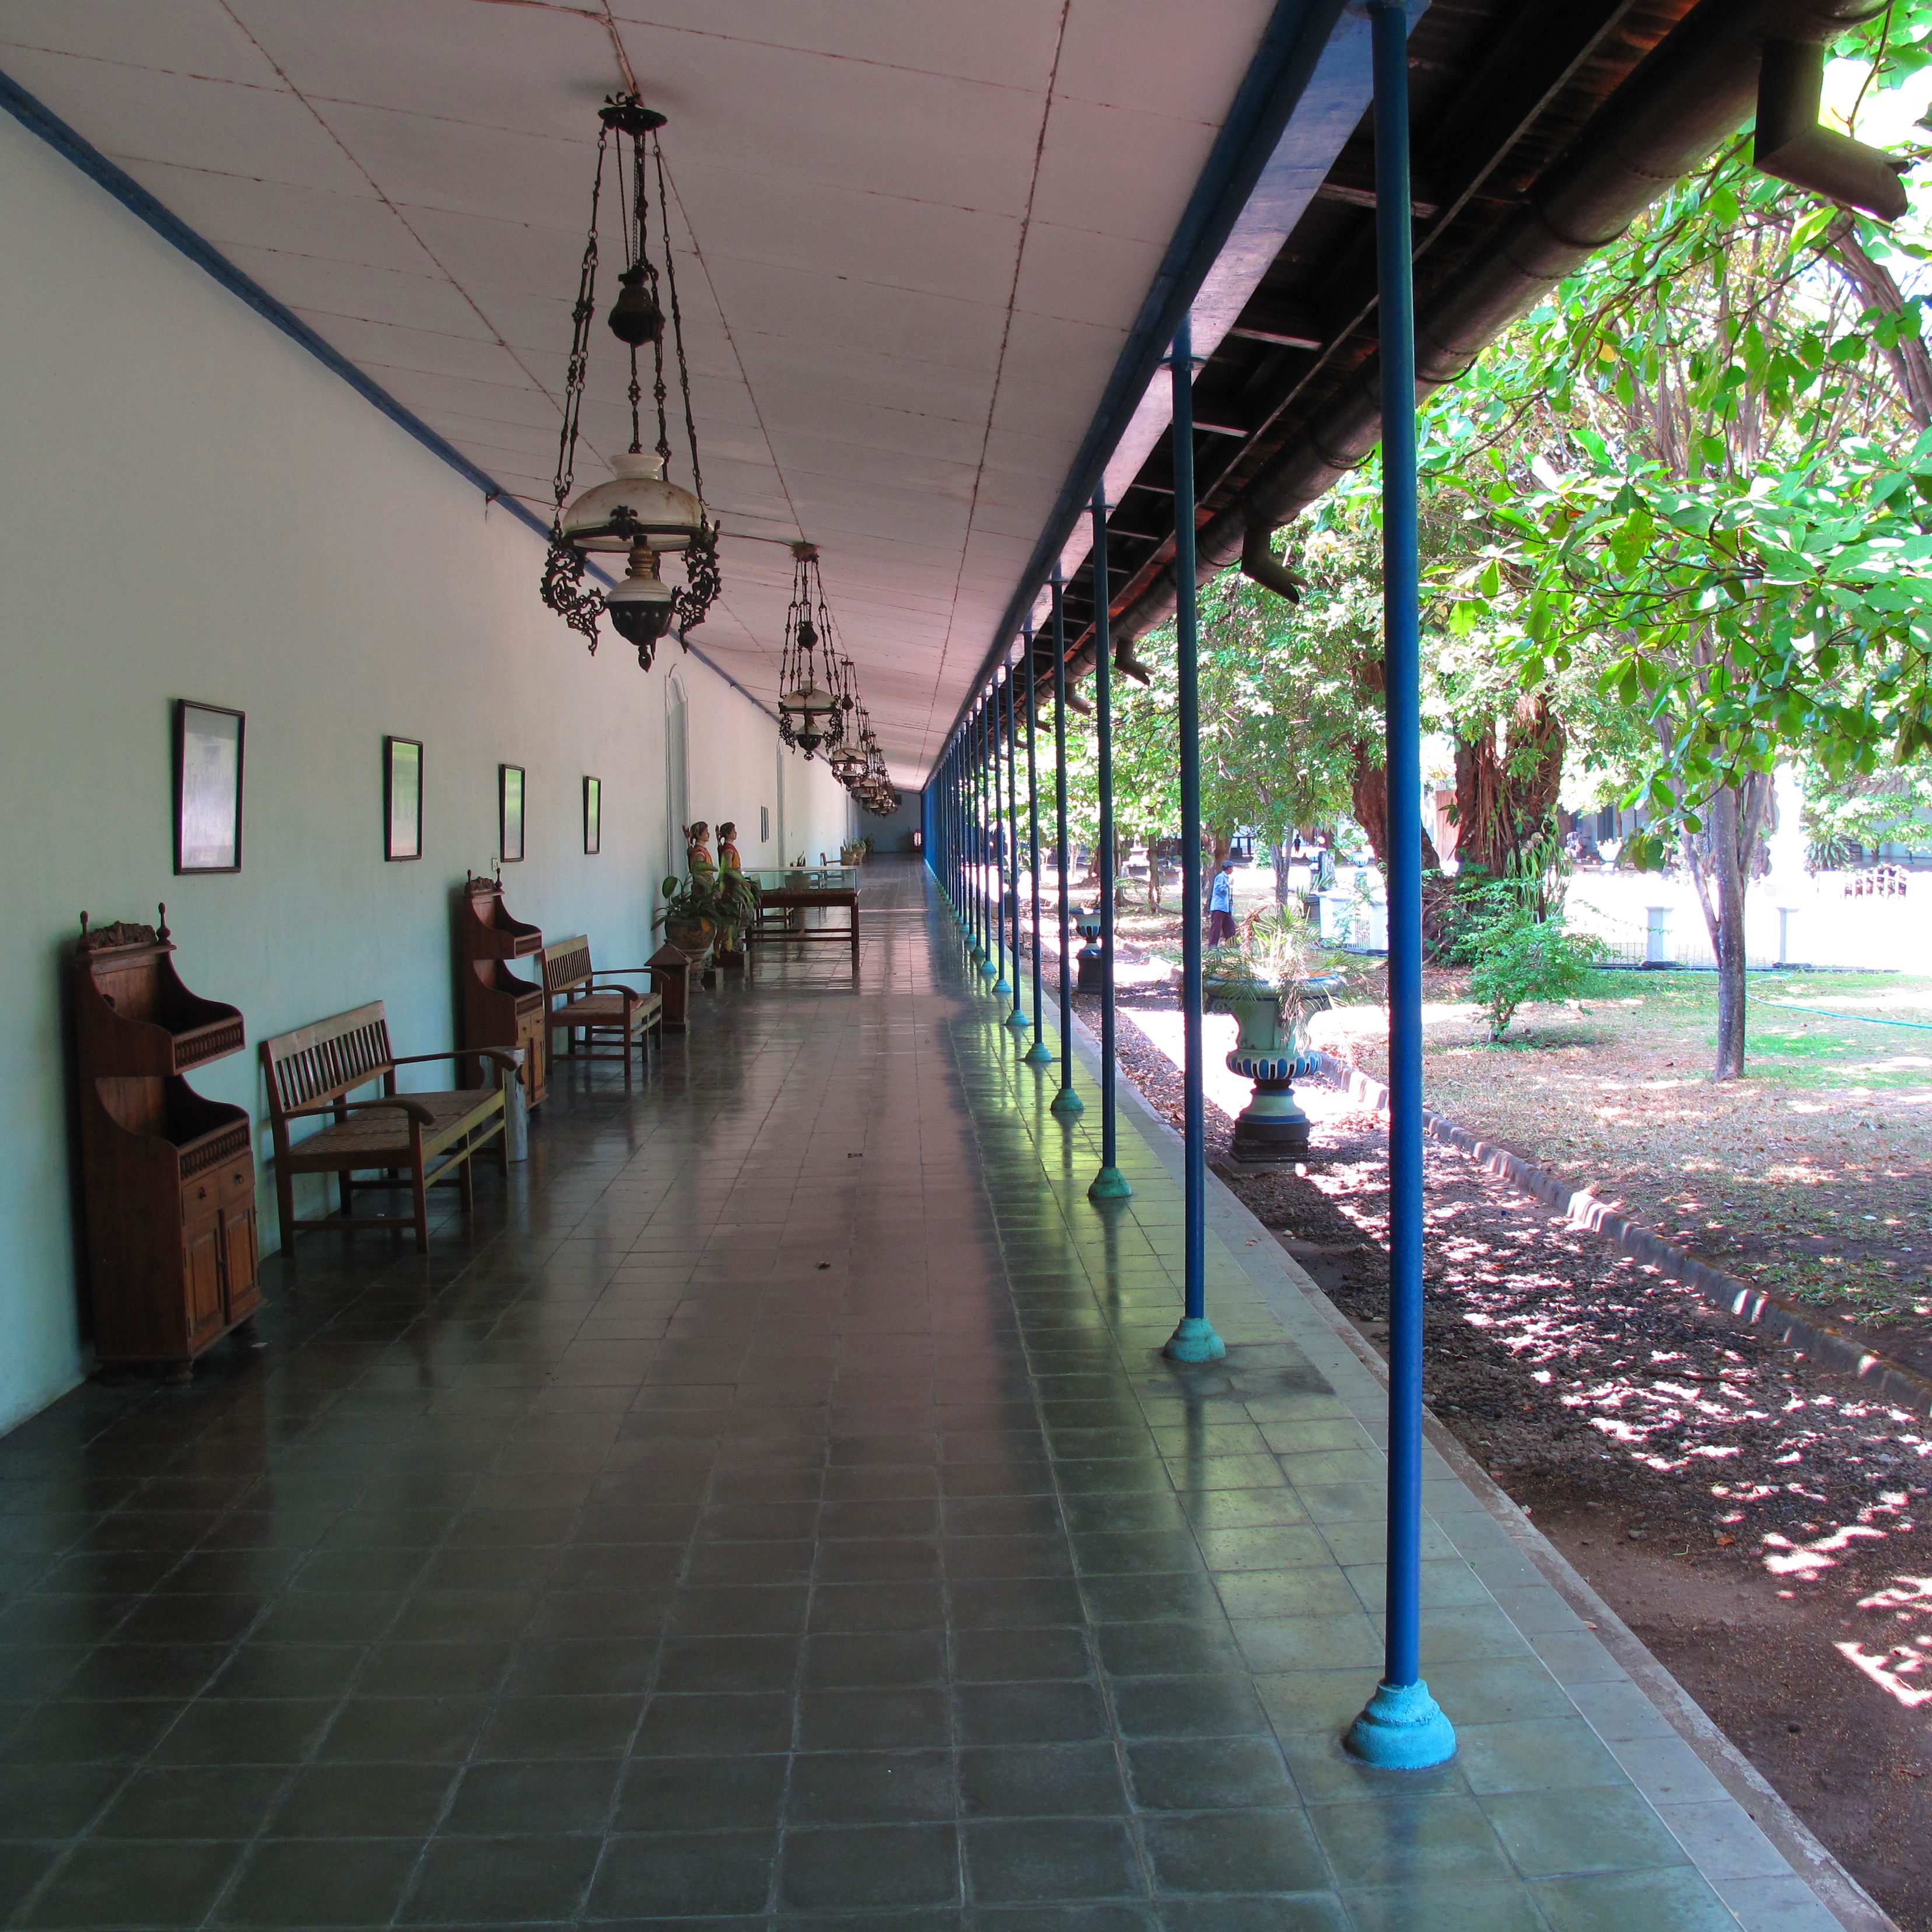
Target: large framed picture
208 787
402 798
510 812
593 815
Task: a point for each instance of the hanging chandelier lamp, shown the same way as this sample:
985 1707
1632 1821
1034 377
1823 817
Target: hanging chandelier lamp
641 515
811 708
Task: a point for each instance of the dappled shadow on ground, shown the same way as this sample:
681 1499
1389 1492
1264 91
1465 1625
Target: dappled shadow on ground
1810 1176
1762 1524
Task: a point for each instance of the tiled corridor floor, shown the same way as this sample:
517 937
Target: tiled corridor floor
774 1512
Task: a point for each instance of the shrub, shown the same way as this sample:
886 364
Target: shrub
1519 957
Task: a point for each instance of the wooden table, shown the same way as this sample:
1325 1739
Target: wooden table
792 902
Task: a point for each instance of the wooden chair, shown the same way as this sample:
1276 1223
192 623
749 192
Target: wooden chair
427 1138
586 1005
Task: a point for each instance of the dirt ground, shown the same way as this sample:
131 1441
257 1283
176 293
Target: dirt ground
1811 1174
1760 1525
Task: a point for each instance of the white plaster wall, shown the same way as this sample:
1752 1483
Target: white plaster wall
194 507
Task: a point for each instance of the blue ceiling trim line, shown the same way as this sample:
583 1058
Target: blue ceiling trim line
1269 94
41 120
74 147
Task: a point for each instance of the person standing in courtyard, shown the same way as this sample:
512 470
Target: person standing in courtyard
1221 905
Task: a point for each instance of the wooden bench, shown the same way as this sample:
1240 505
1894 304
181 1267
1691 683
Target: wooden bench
586 1005
427 1137
781 910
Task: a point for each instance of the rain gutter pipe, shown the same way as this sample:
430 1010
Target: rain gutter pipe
1695 90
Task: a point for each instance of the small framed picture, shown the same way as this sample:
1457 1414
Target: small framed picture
593 815
402 798
208 787
510 812
764 824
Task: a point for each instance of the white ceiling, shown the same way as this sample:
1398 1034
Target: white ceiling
912 235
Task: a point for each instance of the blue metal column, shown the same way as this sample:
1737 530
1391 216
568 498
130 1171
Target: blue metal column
1403 1727
1002 835
1039 1054
989 942
973 840
1110 1183
1066 1102
970 881
1017 1019
1195 1339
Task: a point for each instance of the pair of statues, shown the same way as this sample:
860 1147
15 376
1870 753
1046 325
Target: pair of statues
697 847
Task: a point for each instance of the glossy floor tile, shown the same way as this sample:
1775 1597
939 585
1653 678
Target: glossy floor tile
773 1510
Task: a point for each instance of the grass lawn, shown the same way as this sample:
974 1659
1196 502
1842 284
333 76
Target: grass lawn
1810 1175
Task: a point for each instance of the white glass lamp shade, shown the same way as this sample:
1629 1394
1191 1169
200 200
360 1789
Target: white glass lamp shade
668 517
809 700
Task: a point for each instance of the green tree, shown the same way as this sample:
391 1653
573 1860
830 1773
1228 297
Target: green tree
1697 480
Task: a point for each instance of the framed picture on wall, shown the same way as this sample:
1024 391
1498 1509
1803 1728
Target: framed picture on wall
402 798
510 812
764 824
208 787
593 815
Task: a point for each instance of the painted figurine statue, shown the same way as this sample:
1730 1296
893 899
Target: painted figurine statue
697 847
728 860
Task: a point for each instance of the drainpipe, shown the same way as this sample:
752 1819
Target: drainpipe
1694 90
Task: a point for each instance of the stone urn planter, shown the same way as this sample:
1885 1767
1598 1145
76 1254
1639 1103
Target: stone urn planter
1271 1051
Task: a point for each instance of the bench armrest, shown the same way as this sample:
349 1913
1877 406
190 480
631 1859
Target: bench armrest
496 1053
400 1102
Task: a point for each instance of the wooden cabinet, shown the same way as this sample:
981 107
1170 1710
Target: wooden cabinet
168 1176
500 1007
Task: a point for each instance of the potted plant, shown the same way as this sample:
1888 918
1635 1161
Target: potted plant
1273 976
707 910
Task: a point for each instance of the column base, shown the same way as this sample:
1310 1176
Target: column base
1039 1055
1018 1020
1401 1728
1195 1341
1067 1101
1000 987
1109 1184
988 970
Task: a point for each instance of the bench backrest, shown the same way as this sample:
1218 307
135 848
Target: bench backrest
566 965
326 1060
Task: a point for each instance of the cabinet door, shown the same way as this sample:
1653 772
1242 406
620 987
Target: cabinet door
201 1245
242 1275
532 1036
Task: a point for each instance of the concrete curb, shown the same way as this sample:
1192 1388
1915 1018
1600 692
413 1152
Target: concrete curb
1833 1347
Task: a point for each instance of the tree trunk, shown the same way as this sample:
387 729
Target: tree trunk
1911 366
1368 796
1278 853
1507 781
1722 860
